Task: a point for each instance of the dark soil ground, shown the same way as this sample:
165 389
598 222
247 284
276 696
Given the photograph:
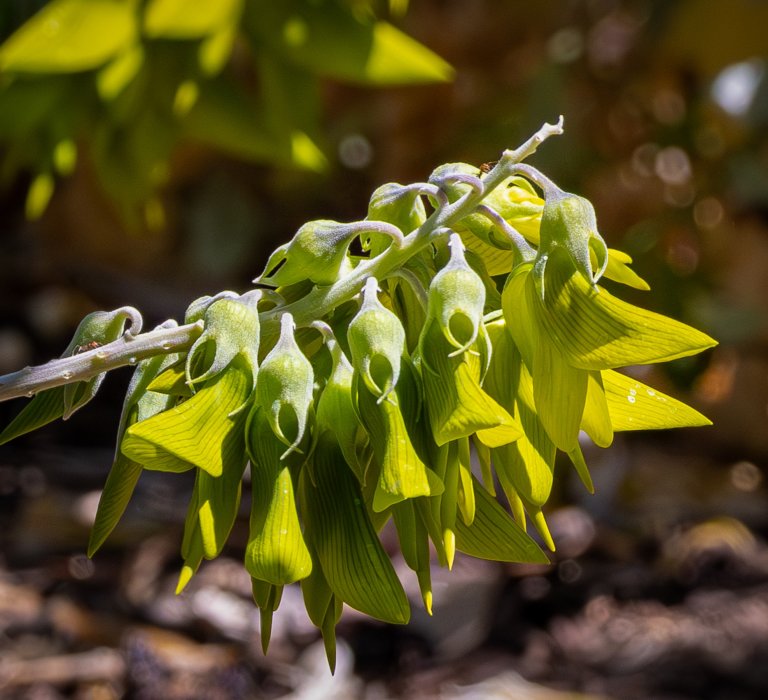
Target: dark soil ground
658 590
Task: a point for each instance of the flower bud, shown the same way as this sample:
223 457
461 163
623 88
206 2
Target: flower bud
232 327
377 342
568 224
284 388
318 252
196 310
398 205
457 299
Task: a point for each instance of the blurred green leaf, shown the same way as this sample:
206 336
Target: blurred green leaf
71 35
189 19
327 39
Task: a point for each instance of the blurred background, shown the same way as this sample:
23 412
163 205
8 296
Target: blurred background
148 162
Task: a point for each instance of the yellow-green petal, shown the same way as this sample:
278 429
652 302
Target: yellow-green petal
633 405
494 535
595 330
276 551
353 560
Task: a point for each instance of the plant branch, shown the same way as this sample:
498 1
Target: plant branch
130 349
126 350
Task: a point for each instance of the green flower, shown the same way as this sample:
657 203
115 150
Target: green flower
376 340
318 252
575 332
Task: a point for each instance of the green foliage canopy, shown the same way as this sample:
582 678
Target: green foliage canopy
126 80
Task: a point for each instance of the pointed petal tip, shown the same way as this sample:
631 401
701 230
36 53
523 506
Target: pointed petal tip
427 598
449 540
185 576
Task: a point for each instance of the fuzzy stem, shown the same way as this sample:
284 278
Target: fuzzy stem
126 350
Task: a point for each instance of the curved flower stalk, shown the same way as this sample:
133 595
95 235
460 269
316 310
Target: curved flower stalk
474 328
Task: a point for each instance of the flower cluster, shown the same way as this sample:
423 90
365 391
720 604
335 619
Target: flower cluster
467 345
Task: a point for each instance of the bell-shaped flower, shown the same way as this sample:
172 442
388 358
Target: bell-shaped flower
284 388
206 429
398 205
318 252
232 328
568 224
376 340
457 405
457 299
276 552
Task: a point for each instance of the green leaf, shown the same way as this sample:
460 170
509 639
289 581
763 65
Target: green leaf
595 330
118 73
139 404
395 59
189 19
205 431
633 405
216 49
329 40
226 118
47 406
276 550
71 35
494 535
291 99
353 560
39 194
